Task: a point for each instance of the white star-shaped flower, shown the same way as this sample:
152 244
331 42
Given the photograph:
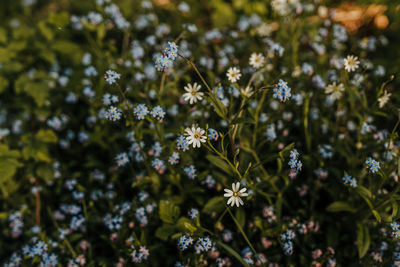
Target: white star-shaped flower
195 136
193 95
235 194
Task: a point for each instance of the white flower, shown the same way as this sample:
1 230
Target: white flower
195 136
334 90
233 74
235 194
248 92
351 63
193 94
384 99
257 60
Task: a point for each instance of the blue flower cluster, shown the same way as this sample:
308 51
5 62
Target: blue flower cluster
121 159
156 149
164 61
247 255
396 229
372 165
111 76
141 216
140 255
159 165
109 99
190 171
294 163
193 213
212 134
158 112
203 244
287 239
41 249
282 91
347 179
113 114
113 223
140 111
174 158
182 144
184 242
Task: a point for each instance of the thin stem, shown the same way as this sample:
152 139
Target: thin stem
241 230
197 71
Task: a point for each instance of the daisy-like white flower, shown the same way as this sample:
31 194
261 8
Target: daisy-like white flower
384 99
248 92
235 194
233 74
256 60
351 63
195 136
193 94
335 91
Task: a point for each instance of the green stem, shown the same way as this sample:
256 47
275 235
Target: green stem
241 230
197 71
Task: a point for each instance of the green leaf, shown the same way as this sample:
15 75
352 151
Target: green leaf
9 162
241 216
45 172
363 239
232 252
223 14
243 120
339 206
165 231
220 109
46 136
395 209
221 164
186 225
215 204
169 212
3 84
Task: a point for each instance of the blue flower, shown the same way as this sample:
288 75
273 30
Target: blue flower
174 158
190 172
121 159
157 112
212 134
113 114
182 144
282 91
140 111
372 165
111 76
171 50
158 165
184 242
193 213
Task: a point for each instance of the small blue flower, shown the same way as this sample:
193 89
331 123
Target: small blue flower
184 242
282 91
113 114
111 76
121 159
193 213
212 134
158 113
174 158
190 172
182 143
140 111
372 165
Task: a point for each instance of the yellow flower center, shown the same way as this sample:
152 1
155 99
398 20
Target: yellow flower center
193 92
235 194
196 136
